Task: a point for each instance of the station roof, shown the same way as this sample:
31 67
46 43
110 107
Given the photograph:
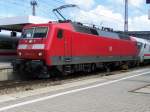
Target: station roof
17 23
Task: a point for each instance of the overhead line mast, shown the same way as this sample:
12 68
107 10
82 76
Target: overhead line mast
33 4
126 16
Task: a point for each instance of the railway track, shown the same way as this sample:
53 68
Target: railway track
7 87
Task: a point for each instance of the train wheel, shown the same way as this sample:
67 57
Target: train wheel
107 67
43 72
93 67
87 68
55 72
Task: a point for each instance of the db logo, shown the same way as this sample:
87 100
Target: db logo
110 48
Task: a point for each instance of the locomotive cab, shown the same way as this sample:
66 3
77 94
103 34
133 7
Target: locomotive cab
32 48
32 44
40 46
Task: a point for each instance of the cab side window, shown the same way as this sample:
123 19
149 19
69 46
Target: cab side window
139 45
60 33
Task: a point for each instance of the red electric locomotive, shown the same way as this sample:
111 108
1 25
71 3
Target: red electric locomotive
69 47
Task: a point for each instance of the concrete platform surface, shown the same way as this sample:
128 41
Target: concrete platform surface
5 65
6 72
104 94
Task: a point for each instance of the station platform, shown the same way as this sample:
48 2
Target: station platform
6 71
5 65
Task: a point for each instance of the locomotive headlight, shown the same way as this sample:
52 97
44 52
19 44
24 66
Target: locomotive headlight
40 54
20 53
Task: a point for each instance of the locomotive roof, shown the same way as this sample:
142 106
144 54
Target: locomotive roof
104 31
93 30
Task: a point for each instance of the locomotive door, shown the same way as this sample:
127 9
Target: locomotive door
68 46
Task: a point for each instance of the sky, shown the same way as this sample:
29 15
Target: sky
108 13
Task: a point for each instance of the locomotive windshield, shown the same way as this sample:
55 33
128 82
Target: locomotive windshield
37 32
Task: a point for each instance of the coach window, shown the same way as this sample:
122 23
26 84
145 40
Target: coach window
60 33
144 45
139 45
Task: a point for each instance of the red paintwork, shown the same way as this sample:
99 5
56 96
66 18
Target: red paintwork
77 44
31 54
146 54
92 45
